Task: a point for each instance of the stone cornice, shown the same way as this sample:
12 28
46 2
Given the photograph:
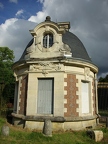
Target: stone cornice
44 24
66 62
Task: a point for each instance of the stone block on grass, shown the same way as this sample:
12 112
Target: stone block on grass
97 135
47 129
5 130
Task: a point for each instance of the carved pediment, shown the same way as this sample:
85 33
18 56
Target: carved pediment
47 41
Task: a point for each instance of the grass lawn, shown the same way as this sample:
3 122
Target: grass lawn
24 136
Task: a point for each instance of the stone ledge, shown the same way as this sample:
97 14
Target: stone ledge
84 118
20 116
52 118
39 118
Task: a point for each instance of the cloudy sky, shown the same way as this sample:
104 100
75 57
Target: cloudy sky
88 19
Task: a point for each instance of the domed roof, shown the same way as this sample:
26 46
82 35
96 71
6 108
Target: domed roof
24 53
77 48
64 43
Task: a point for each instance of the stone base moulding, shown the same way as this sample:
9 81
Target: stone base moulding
39 118
58 123
52 118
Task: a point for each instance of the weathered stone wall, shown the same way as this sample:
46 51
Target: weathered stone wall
59 126
94 99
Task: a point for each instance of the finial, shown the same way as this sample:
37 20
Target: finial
48 18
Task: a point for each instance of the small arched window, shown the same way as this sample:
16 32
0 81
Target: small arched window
48 40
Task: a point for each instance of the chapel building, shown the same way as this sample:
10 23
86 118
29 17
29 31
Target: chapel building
55 79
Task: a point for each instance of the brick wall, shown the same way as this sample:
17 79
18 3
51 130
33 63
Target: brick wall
23 95
70 96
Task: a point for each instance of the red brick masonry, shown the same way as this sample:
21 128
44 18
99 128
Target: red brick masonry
23 95
71 96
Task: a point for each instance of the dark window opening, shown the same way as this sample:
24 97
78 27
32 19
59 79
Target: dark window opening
47 40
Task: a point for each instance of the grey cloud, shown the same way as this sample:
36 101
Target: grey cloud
88 19
17 36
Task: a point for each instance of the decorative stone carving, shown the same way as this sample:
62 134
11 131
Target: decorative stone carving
33 68
47 28
49 65
87 73
56 38
38 40
65 48
18 72
30 49
45 67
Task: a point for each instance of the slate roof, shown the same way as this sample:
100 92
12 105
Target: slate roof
77 48
28 45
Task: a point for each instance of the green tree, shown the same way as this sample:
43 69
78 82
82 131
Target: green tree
105 79
6 73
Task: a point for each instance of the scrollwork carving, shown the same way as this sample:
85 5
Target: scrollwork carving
45 67
65 48
87 73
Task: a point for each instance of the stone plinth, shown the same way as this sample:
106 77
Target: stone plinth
47 130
